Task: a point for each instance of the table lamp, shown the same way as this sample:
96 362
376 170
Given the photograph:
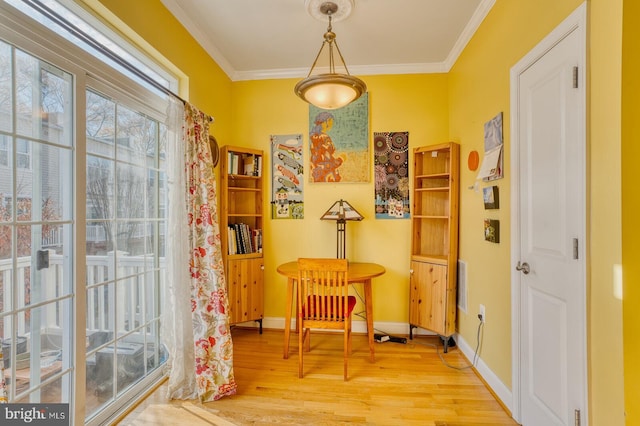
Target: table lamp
341 211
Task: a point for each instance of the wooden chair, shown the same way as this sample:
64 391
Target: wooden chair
323 302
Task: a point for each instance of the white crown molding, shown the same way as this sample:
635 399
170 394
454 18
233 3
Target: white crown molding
474 23
360 70
198 35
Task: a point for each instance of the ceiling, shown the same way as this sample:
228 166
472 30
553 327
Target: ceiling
260 39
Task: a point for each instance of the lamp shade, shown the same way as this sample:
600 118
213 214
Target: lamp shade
330 91
342 210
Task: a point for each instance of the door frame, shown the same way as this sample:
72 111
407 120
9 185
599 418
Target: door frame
576 21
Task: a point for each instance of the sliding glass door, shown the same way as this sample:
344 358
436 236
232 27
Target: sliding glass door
36 227
125 199
82 226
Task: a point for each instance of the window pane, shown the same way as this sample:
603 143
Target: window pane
44 190
131 191
131 237
23 154
162 204
99 237
43 100
137 138
100 307
152 193
100 188
156 352
6 73
53 393
151 298
6 179
5 153
46 353
101 125
6 271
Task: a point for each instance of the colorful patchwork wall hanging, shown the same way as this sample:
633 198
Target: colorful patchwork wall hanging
391 171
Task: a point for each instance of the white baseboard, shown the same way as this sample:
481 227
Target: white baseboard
496 385
391 328
402 329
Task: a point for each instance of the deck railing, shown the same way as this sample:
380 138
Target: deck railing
120 311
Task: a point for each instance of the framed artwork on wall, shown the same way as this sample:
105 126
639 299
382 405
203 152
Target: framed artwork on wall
492 230
339 143
287 186
491 198
391 174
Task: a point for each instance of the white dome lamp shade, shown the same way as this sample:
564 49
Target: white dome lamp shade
330 90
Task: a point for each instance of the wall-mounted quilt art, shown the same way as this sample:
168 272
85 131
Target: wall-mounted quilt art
391 171
287 196
339 143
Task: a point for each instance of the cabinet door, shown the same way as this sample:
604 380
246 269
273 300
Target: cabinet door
245 290
427 295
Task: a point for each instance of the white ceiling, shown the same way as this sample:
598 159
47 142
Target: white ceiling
259 39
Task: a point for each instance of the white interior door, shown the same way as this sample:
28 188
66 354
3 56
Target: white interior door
549 256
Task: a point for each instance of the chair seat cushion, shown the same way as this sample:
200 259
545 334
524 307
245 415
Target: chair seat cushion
311 302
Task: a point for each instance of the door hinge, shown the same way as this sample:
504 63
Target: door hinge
576 415
575 248
575 77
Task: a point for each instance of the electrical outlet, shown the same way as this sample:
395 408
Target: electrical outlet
481 313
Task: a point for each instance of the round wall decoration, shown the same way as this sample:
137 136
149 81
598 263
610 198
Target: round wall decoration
473 161
215 150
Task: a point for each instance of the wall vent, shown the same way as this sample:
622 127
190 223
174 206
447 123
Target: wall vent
462 285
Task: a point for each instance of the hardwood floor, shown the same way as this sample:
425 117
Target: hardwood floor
409 384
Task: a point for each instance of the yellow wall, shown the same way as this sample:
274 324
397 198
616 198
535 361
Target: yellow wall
414 103
480 88
480 85
436 108
208 87
630 207
605 309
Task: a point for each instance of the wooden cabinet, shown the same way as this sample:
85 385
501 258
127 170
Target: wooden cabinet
434 239
241 224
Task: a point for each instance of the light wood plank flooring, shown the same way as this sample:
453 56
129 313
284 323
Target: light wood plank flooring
407 385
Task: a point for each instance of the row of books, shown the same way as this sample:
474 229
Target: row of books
244 164
244 240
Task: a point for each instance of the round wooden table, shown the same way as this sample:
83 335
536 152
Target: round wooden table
359 272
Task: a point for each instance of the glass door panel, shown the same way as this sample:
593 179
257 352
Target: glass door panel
36 228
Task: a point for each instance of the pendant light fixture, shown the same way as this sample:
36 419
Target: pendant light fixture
330 90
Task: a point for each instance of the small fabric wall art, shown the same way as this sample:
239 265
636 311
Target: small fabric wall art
493 162
391 170
339 143
287 196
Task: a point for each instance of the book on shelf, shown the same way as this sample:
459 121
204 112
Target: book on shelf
257 240
248 164
243 240
258 165
235 164
244 164
231 240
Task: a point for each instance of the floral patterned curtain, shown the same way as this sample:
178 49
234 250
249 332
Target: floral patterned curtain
201 361
209 304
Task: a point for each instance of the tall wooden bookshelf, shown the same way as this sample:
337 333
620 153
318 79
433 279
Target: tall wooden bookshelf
241 225
434 239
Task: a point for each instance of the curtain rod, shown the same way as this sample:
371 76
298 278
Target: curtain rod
63 22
